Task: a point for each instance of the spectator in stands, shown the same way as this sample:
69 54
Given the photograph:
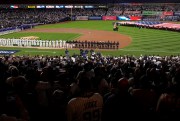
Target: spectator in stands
88 105
100 82
168 106
145 97
119 102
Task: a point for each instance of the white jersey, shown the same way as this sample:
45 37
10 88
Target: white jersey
85 108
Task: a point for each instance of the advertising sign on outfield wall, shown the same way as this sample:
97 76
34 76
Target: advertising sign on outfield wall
88 6
123 18
68 6
14 6
132 12
31 6
95 18
49 6
101 6
118 12
109 18
81 17
177 13
40 6
151 13
148 13
135 18
168 13
59 6
8 52
129 18
77 6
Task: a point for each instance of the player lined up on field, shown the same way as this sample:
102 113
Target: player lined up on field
60 43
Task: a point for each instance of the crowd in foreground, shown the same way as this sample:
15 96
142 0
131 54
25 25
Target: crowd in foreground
91 87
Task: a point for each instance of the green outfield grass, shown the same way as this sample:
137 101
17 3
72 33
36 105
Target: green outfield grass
43 36
96 25
144 41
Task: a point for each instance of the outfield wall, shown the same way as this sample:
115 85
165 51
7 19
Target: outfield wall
129 18
9 30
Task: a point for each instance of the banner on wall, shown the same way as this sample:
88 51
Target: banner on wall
59 6
136 3
14 6
88 6
78 6
118 12
177 13
81 17
123 18
95 18
150 13
31 6
129 18
135 18
68 6
168 13
49 6
132 12
8 52
109 18
40 6
102 6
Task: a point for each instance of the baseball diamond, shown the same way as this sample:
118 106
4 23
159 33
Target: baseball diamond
139 31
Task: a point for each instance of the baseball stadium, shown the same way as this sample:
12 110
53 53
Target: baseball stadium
89 60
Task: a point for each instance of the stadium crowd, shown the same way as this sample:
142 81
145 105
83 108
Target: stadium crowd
17 17
89 87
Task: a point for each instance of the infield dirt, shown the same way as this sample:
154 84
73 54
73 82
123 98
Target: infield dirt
90 35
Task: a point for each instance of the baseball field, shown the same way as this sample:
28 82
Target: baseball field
133 41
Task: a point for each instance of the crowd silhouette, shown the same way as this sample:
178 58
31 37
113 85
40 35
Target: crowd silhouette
89 86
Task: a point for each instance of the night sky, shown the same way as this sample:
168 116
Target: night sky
82 1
